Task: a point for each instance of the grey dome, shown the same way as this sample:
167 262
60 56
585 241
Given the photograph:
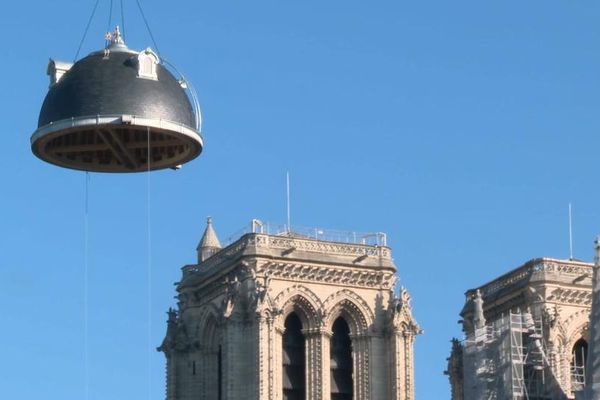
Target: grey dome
97 117
96 85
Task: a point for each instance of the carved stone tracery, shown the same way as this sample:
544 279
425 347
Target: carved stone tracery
570 296
401 314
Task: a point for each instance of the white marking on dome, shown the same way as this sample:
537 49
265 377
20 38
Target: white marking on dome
56 69
147 62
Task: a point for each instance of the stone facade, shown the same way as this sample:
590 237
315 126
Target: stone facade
228 338
526 334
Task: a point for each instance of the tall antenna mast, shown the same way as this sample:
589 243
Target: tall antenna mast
570 234
289 226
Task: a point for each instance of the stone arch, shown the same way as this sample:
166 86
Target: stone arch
352 308
577 324
572 329
209 324
212 332
304 302
210 366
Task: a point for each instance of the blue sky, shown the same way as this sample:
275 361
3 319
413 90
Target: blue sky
462 129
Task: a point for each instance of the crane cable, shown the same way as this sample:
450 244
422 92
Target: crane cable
110 10
149 268
122 19
86 217
87 27
147 26
86 363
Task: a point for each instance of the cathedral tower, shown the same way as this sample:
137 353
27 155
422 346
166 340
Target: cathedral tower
288 315
527 334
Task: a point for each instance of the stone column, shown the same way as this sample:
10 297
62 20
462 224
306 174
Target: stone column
402 379
409 373
397 358
263 327
276 371
564 366
379 367
250 383
314 363
360 360
269 361
171 376
325 376
233 352
228 359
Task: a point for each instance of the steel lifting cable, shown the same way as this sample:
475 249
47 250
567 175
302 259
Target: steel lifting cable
149 268
110 10
87 27
86 369
122 19
86 217
147 26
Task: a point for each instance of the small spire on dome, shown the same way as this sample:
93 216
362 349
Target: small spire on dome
115 37
209 244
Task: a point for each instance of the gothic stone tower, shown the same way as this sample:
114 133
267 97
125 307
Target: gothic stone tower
526 334
287 316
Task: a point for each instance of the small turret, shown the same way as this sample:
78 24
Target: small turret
209 244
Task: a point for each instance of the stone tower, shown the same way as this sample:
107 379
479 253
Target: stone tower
289 315
527 334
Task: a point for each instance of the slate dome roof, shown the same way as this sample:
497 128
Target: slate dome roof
99 85
117 110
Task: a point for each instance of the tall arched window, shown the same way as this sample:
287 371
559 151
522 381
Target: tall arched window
212 361
293 359
578 364
341 361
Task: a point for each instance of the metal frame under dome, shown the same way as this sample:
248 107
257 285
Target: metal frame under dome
190 91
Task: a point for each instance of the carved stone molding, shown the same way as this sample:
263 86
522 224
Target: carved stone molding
332 275
571 271
261 241
318 246
571 296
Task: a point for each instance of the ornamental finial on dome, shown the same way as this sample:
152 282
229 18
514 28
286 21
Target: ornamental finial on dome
114 37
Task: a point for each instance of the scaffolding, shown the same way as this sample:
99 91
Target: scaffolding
506 360
527 357
578 363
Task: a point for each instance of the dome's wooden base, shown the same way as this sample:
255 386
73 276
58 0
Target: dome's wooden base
116 148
